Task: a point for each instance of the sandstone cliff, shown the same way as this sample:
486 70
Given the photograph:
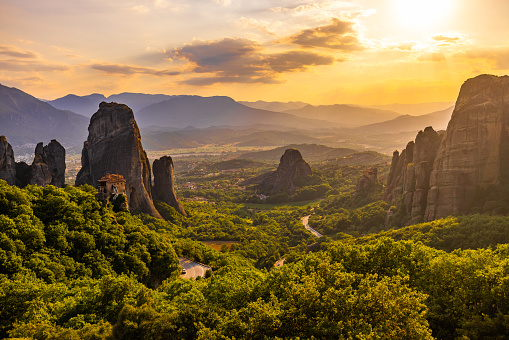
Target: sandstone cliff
114 146
408 180
368 180
291 166
7 163
474 156
164 179
48 166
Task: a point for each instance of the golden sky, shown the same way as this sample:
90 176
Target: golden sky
322 52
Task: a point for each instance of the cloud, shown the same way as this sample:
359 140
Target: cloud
223 2
405 46
31 66
448 38
243 61
262 26
498 57
432 57
15 52
339 35
128 70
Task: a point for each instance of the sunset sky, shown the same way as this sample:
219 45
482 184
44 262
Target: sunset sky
321 52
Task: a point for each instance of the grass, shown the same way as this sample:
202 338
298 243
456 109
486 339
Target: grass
312 203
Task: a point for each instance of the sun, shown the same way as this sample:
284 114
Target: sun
422 14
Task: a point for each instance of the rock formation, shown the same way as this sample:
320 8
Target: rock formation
408 180
7 163
48 166
114 146
53 155
468 168
474 155
291 166
368 179
164 180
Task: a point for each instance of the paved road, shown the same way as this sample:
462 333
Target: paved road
193 269
305 221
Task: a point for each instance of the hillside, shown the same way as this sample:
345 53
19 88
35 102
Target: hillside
346 115
310 152
438 120
25 119
202 112
414 109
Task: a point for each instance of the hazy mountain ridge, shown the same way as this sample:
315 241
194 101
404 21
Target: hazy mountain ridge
88 105
25 119
202 112
438 120
414 109
274 106
346 115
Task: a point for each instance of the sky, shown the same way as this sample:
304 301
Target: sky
365 52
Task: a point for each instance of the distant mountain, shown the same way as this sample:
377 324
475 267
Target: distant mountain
84 105
155 139
88 105
274 106
202 112
438 120
25 119
310 152
415 109
346 115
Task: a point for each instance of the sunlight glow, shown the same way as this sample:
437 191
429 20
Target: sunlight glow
423 14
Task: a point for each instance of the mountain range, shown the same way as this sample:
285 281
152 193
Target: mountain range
25 119
345 115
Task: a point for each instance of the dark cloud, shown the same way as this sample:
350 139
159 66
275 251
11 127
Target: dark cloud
243 61
450 39
128 70
14 52
339 35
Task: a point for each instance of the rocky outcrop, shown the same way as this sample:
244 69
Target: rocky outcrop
474 156
53 155
368 180
291 166
40 173
164 183
7 163
47 168
408 180
114 146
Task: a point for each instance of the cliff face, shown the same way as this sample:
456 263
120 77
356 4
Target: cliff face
7 164
474 154
164 183
291 166
466 170
48 166
114 146
409 175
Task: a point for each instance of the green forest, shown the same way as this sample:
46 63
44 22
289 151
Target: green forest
71 268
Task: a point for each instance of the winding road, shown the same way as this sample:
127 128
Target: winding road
193 269
305 221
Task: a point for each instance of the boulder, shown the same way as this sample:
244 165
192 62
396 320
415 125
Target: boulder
7 163
164 183
114 146
368 180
